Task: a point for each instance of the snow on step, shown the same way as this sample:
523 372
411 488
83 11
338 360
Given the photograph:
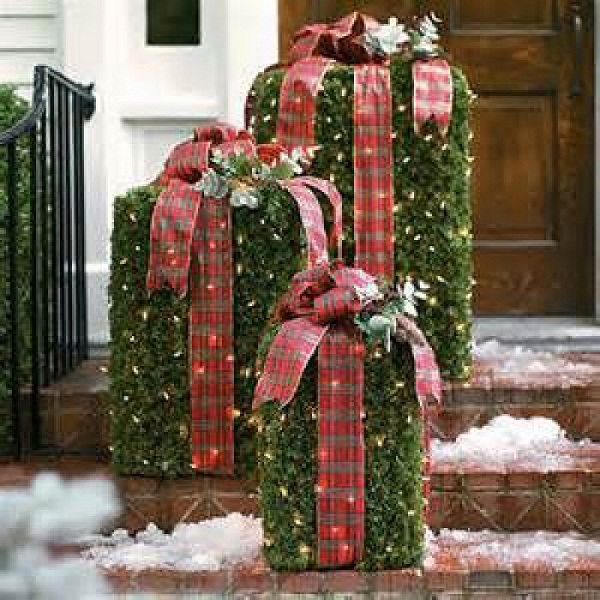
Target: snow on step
507 443
538 550
523 366
210 545
223 543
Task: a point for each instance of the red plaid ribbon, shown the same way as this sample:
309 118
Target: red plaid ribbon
191 246
432 94
373 171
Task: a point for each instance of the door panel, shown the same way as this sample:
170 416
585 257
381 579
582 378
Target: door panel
532 185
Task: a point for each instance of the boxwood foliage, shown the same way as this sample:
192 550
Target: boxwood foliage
394 528
431 178
149 334
12 109
433 232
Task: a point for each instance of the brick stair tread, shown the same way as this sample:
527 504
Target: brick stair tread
446 571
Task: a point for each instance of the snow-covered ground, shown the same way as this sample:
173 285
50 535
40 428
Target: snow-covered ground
228 541
538 443
543 550
206 546
523 365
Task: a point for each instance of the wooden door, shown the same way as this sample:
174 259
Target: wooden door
531 64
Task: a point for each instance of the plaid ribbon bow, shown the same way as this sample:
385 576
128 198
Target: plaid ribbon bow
316 314
191 246
316 49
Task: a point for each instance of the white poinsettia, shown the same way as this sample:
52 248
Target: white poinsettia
427 35
387 39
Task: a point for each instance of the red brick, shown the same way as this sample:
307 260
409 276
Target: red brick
230 485
207 582
253 580
485 481
159 580
396 581
564 510
242 503
536 579
188 510
574 579
300 583
445 580
594 578
119 580
345 581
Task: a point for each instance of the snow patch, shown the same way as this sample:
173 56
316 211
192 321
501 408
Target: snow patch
537 443
210 545
523 364
542 549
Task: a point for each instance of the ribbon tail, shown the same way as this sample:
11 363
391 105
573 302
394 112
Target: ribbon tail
311 216
171 233
341 451
433 94
332 194
292 348
297 102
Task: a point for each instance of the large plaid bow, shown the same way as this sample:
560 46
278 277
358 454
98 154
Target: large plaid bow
342 41
316 49
191 246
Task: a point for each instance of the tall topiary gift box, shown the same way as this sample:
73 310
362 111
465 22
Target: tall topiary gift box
197 261
343 450
341 91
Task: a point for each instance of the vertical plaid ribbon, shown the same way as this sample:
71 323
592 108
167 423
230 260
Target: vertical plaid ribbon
373 171
191 247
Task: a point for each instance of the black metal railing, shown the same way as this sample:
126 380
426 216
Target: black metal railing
46 309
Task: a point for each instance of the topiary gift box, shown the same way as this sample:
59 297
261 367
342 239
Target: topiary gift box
150 403
432 214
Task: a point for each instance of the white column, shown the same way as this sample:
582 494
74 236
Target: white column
251 45
91 51
149 97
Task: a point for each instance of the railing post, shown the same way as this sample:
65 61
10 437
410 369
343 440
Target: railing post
13 304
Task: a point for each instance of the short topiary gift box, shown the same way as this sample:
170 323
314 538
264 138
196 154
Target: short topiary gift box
342 404
341 92
222 192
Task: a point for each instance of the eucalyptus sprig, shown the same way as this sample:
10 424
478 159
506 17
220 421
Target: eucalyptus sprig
244 178
419 40
378 320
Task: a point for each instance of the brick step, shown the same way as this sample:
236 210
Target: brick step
74 412
457 567
519 499
571 399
